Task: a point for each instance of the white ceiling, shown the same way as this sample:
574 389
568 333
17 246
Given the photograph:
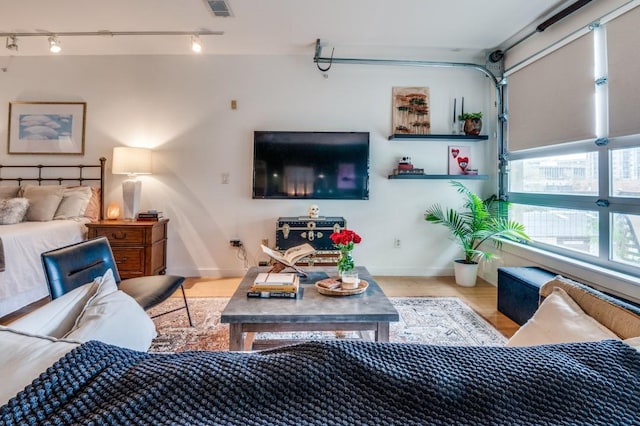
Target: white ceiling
369 27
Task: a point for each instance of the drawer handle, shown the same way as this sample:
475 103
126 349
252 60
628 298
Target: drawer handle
123 260
119 235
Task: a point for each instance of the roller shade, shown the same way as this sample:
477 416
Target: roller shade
552 100
623 39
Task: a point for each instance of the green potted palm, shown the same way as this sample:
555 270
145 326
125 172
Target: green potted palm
479 222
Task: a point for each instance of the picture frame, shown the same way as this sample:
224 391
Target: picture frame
46 128
411 111
459 160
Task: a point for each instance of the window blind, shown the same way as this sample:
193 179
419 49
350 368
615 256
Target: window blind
551 100
623 39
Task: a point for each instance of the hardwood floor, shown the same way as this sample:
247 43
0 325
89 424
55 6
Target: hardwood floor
482 298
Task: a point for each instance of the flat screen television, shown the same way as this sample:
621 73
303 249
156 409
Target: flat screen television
311 165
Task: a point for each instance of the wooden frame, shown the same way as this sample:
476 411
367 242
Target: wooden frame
46 128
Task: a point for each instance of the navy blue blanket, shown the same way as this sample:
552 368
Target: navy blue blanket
338 383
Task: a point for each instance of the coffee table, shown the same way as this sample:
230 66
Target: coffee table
311 311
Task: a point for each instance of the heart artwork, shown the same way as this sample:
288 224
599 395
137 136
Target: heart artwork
455 152
463 162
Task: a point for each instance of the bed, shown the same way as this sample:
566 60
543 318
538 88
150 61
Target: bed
592 382
22 279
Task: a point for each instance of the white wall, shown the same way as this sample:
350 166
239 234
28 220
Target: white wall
180 106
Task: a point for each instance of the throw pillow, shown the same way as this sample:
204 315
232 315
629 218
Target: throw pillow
57 317
13 210
43 201
74 202
92 211
9 192
114 317
559 319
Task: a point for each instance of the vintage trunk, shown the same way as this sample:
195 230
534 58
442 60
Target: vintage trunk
293 231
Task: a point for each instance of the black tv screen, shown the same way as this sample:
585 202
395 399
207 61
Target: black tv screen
311 165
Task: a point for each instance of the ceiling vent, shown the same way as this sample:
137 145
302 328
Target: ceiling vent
219 8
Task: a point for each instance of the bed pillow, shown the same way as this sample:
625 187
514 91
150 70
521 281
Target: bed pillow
43 201
74 202
9 192
58 317
13 210
559 319
92 211
24 356
114 317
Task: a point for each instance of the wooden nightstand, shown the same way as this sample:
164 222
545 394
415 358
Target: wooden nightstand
139 248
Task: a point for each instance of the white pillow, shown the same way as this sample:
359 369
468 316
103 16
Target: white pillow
114 317
559 319
7 192
57 317
13 210
74 202
43 201
24 356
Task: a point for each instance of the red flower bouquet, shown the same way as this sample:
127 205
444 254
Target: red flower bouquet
345 240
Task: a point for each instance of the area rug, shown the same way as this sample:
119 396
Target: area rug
432 320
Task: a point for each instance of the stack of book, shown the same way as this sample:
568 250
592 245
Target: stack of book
269 284
151 215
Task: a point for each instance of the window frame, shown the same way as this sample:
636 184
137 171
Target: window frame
604 147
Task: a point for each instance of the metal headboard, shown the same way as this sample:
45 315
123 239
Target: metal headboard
40 175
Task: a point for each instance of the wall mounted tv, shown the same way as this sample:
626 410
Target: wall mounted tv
311 165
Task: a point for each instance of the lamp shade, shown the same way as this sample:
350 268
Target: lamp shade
131 161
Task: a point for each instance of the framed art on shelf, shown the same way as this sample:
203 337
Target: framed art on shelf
459 160
411 113
46 128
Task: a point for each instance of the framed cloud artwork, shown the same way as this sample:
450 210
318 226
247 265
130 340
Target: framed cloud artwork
46 128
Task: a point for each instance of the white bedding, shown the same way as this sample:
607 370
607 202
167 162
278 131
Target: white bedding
23 280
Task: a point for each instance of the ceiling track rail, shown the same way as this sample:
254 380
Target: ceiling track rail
319 59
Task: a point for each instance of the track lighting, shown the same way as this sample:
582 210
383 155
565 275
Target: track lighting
54 45
12 43
196 46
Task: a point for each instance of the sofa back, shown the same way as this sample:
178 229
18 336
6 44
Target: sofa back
620 317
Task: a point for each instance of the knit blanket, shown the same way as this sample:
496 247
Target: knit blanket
338 383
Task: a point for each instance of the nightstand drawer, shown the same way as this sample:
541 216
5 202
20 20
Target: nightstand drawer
128 235
129 260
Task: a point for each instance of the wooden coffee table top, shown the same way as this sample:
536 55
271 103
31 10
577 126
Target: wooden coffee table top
312 307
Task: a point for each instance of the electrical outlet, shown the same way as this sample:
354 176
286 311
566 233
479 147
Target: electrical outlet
225 178
396 243
265 242
235 243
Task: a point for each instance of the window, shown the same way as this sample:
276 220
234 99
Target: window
577 189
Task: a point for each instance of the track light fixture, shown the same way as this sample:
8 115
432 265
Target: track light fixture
12 43
196 46
54 45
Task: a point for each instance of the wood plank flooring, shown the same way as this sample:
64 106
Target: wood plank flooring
482 298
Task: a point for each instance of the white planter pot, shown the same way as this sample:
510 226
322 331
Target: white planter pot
465 273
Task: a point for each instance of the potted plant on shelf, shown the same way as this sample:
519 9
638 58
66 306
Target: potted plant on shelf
472 122
478 223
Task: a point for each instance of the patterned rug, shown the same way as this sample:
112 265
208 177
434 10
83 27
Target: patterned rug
432 320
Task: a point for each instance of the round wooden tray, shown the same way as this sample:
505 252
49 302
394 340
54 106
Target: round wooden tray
362 286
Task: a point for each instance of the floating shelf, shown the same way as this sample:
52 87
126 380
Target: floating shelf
450 177
468 138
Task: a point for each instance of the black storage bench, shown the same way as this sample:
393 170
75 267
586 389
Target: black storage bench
518 291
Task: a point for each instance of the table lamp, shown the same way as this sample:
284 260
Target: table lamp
132 162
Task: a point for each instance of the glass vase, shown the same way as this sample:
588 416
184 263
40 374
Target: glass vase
345 261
